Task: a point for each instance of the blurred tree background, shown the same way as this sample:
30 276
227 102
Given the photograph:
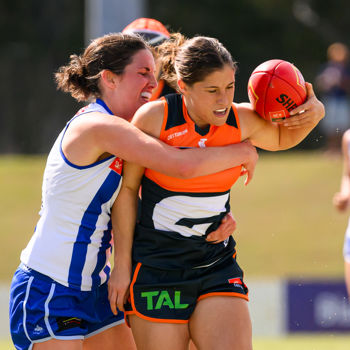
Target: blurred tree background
39 35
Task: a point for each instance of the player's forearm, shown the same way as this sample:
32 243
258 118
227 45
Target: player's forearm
345 185
214 159
130 144
187 163
123 220
289 138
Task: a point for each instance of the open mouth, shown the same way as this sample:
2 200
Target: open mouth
220 112
146 95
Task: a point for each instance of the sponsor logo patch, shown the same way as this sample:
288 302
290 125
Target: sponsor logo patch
68 323
177 134
38 329
277 115
159 298
236 282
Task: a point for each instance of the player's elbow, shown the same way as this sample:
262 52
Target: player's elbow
186 169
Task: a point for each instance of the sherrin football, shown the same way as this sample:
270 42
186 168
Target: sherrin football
275 88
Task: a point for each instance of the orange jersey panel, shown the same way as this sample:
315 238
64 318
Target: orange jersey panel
180 131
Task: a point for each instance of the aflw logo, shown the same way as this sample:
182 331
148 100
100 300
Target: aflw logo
117 165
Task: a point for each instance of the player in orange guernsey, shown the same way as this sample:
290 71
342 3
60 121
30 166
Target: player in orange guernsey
155 33
182 286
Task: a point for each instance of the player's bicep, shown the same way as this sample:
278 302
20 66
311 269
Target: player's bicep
261 133
121 138
149 118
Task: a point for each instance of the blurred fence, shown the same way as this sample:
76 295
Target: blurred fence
277 307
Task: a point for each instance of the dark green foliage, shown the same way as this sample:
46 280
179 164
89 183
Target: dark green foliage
39 35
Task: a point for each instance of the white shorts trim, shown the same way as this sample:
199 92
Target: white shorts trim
105 328
24 307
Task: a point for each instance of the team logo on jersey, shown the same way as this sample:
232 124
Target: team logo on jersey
201 143
206 212
117 165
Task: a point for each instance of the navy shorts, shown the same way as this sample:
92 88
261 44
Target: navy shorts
42 309
171 295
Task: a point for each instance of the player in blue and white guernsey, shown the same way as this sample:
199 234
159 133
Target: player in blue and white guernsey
59 294
341 201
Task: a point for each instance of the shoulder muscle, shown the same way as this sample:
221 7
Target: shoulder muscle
149 117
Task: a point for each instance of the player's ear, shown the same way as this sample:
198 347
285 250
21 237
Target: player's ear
109 78
182 86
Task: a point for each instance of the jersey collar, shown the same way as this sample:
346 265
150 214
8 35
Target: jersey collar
103 104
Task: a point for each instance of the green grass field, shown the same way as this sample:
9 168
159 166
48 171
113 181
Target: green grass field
286 225
20 188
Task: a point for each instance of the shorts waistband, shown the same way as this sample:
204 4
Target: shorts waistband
35 273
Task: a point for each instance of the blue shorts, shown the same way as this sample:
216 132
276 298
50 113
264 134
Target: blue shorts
42 309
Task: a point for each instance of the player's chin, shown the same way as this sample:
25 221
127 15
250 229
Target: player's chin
219 121
141 102
144 99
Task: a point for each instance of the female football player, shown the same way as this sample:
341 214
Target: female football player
182 286
59 293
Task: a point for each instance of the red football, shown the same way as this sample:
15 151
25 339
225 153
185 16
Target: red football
275 88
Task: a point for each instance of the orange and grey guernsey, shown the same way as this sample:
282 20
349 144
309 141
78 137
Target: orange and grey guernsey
178 214
179 130
162 89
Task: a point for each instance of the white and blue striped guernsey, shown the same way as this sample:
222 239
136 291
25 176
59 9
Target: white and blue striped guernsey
72 239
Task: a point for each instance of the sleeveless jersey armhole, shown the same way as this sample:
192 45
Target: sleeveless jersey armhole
165 118
237 120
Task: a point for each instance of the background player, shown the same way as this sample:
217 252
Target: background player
341 202
155 33
333 84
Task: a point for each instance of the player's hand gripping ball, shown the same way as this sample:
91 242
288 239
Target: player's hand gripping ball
275 88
